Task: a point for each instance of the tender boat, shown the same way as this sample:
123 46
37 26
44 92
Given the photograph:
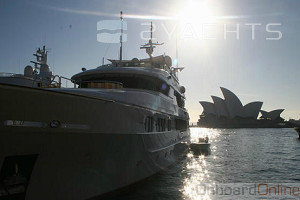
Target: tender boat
122 123
202 147
298 130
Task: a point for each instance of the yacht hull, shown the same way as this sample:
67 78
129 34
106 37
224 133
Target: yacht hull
73 147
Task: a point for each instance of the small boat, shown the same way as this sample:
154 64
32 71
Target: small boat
298 130
40 76
202 147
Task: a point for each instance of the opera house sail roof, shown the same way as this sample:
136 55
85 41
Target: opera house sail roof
233 104
252 109
208 107
220 107
272 115
231 107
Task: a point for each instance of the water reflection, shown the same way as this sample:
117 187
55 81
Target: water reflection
197 169
239 157
203 132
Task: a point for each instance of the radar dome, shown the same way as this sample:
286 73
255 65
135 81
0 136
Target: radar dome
182 89
135 60
28 71
44 68
168 61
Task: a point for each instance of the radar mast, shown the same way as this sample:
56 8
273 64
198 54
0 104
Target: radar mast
41 57
150 45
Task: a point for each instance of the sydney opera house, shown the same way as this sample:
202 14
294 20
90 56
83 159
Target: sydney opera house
231 113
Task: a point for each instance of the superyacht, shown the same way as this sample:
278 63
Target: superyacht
120 123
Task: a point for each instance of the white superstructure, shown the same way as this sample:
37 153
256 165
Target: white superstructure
39 76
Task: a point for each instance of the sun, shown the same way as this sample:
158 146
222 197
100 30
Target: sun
195 12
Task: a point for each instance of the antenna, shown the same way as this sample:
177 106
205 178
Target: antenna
121 36
53 62
150 45
177 69
177 50
151 31
45 38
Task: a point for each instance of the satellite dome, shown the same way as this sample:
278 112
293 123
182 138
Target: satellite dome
28 71
168 61
44 68
182 89
135 60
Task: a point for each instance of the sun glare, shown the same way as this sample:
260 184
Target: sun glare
196 12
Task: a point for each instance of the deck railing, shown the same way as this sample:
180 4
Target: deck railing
58 82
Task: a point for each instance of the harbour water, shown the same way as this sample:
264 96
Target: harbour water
250 158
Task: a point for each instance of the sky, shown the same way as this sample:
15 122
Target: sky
264 68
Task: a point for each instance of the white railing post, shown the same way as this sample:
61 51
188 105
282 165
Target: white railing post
59 81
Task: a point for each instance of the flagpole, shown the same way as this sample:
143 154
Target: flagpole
177 49
121 36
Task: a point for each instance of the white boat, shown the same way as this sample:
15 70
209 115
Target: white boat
298 130
38 76
202 147
122 123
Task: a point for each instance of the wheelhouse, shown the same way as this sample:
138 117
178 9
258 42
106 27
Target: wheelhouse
116 81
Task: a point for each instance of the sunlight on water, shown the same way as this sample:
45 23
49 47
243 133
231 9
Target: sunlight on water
239 158
203 132
197 167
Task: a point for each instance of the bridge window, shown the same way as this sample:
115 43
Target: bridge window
136 82
179 99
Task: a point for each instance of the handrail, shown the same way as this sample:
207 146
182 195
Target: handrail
65 78
53 82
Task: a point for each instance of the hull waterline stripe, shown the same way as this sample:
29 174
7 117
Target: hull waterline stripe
20 123
166 147
154 133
